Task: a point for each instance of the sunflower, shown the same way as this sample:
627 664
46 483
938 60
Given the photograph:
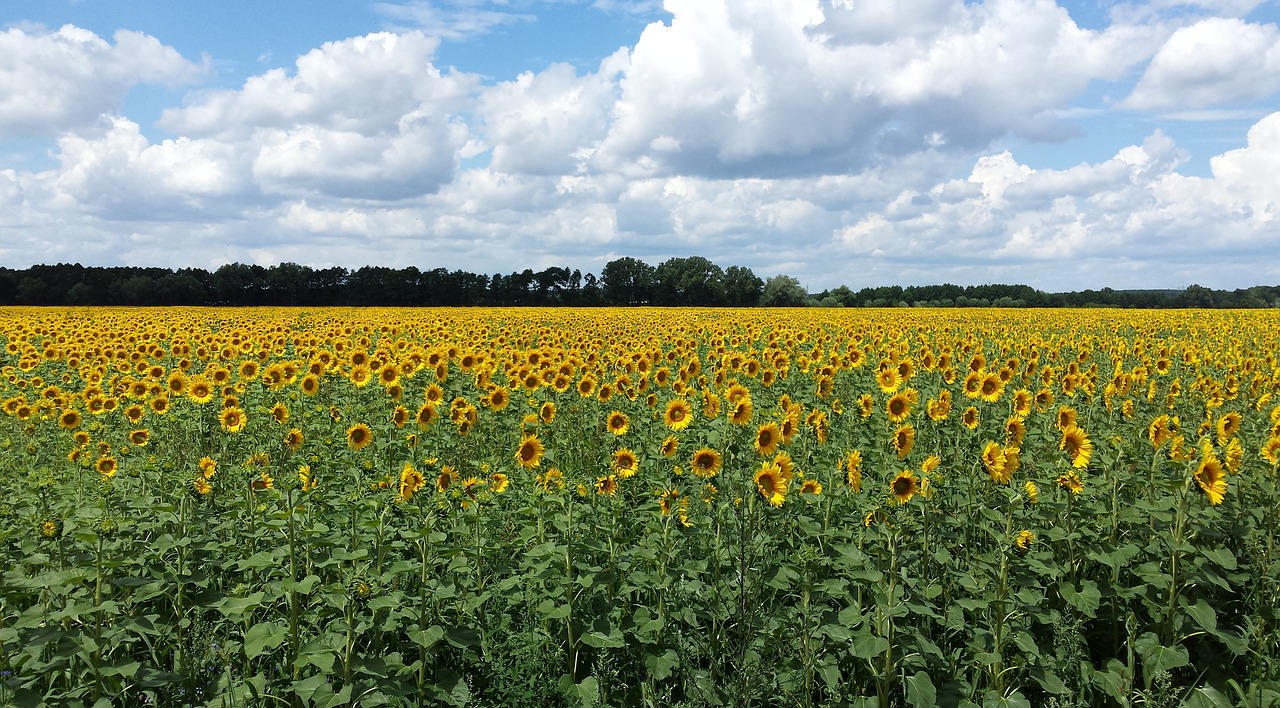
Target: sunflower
679 414
1228 426
499 398
1161 431
1271 451
771 484
160 405
625 463
904 438
1024 540
411 480
767 438
106 466
970 418
446 478
866 405
888 379
904 486
498 482
852 466
607 485
208 467
200 390
280 413
1066 417
359 436
139 437
307 481
134 413
898 407
1014 430
669 446
618 423
51 528
177 384
1022 402
811 486
706 462
710 405
201 487
262 482
1033 492
529 454
972 384
427 415
399 416
740 414
232 419
991 388
1233 456
993 459
1212 479
293 439
552 481
69 419
547 412
938 410
1076 444
1070 481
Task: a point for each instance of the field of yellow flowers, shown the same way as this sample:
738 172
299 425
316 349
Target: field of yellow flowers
531 507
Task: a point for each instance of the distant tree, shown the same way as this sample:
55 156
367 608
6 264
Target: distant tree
687 281
740 287
627 281
783 291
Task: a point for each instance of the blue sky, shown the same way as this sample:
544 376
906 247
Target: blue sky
1067 146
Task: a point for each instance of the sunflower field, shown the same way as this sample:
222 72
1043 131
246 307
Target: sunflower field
639 507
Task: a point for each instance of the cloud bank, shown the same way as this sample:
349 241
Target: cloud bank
840 142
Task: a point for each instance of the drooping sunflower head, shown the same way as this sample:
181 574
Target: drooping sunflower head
1024 540
1212 479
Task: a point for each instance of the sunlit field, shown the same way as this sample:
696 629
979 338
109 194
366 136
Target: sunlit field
545 507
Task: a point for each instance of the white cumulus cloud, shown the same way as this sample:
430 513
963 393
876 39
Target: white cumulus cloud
52 82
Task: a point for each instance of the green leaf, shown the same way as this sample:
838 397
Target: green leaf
866 646
462 637
262 636
1157 657
308 688
237 606
660 665
1222 556
1207 697
1204 616
600 640
920 691
1085 599
992 699
427 638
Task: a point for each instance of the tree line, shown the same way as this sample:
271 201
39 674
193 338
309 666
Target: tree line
690 281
